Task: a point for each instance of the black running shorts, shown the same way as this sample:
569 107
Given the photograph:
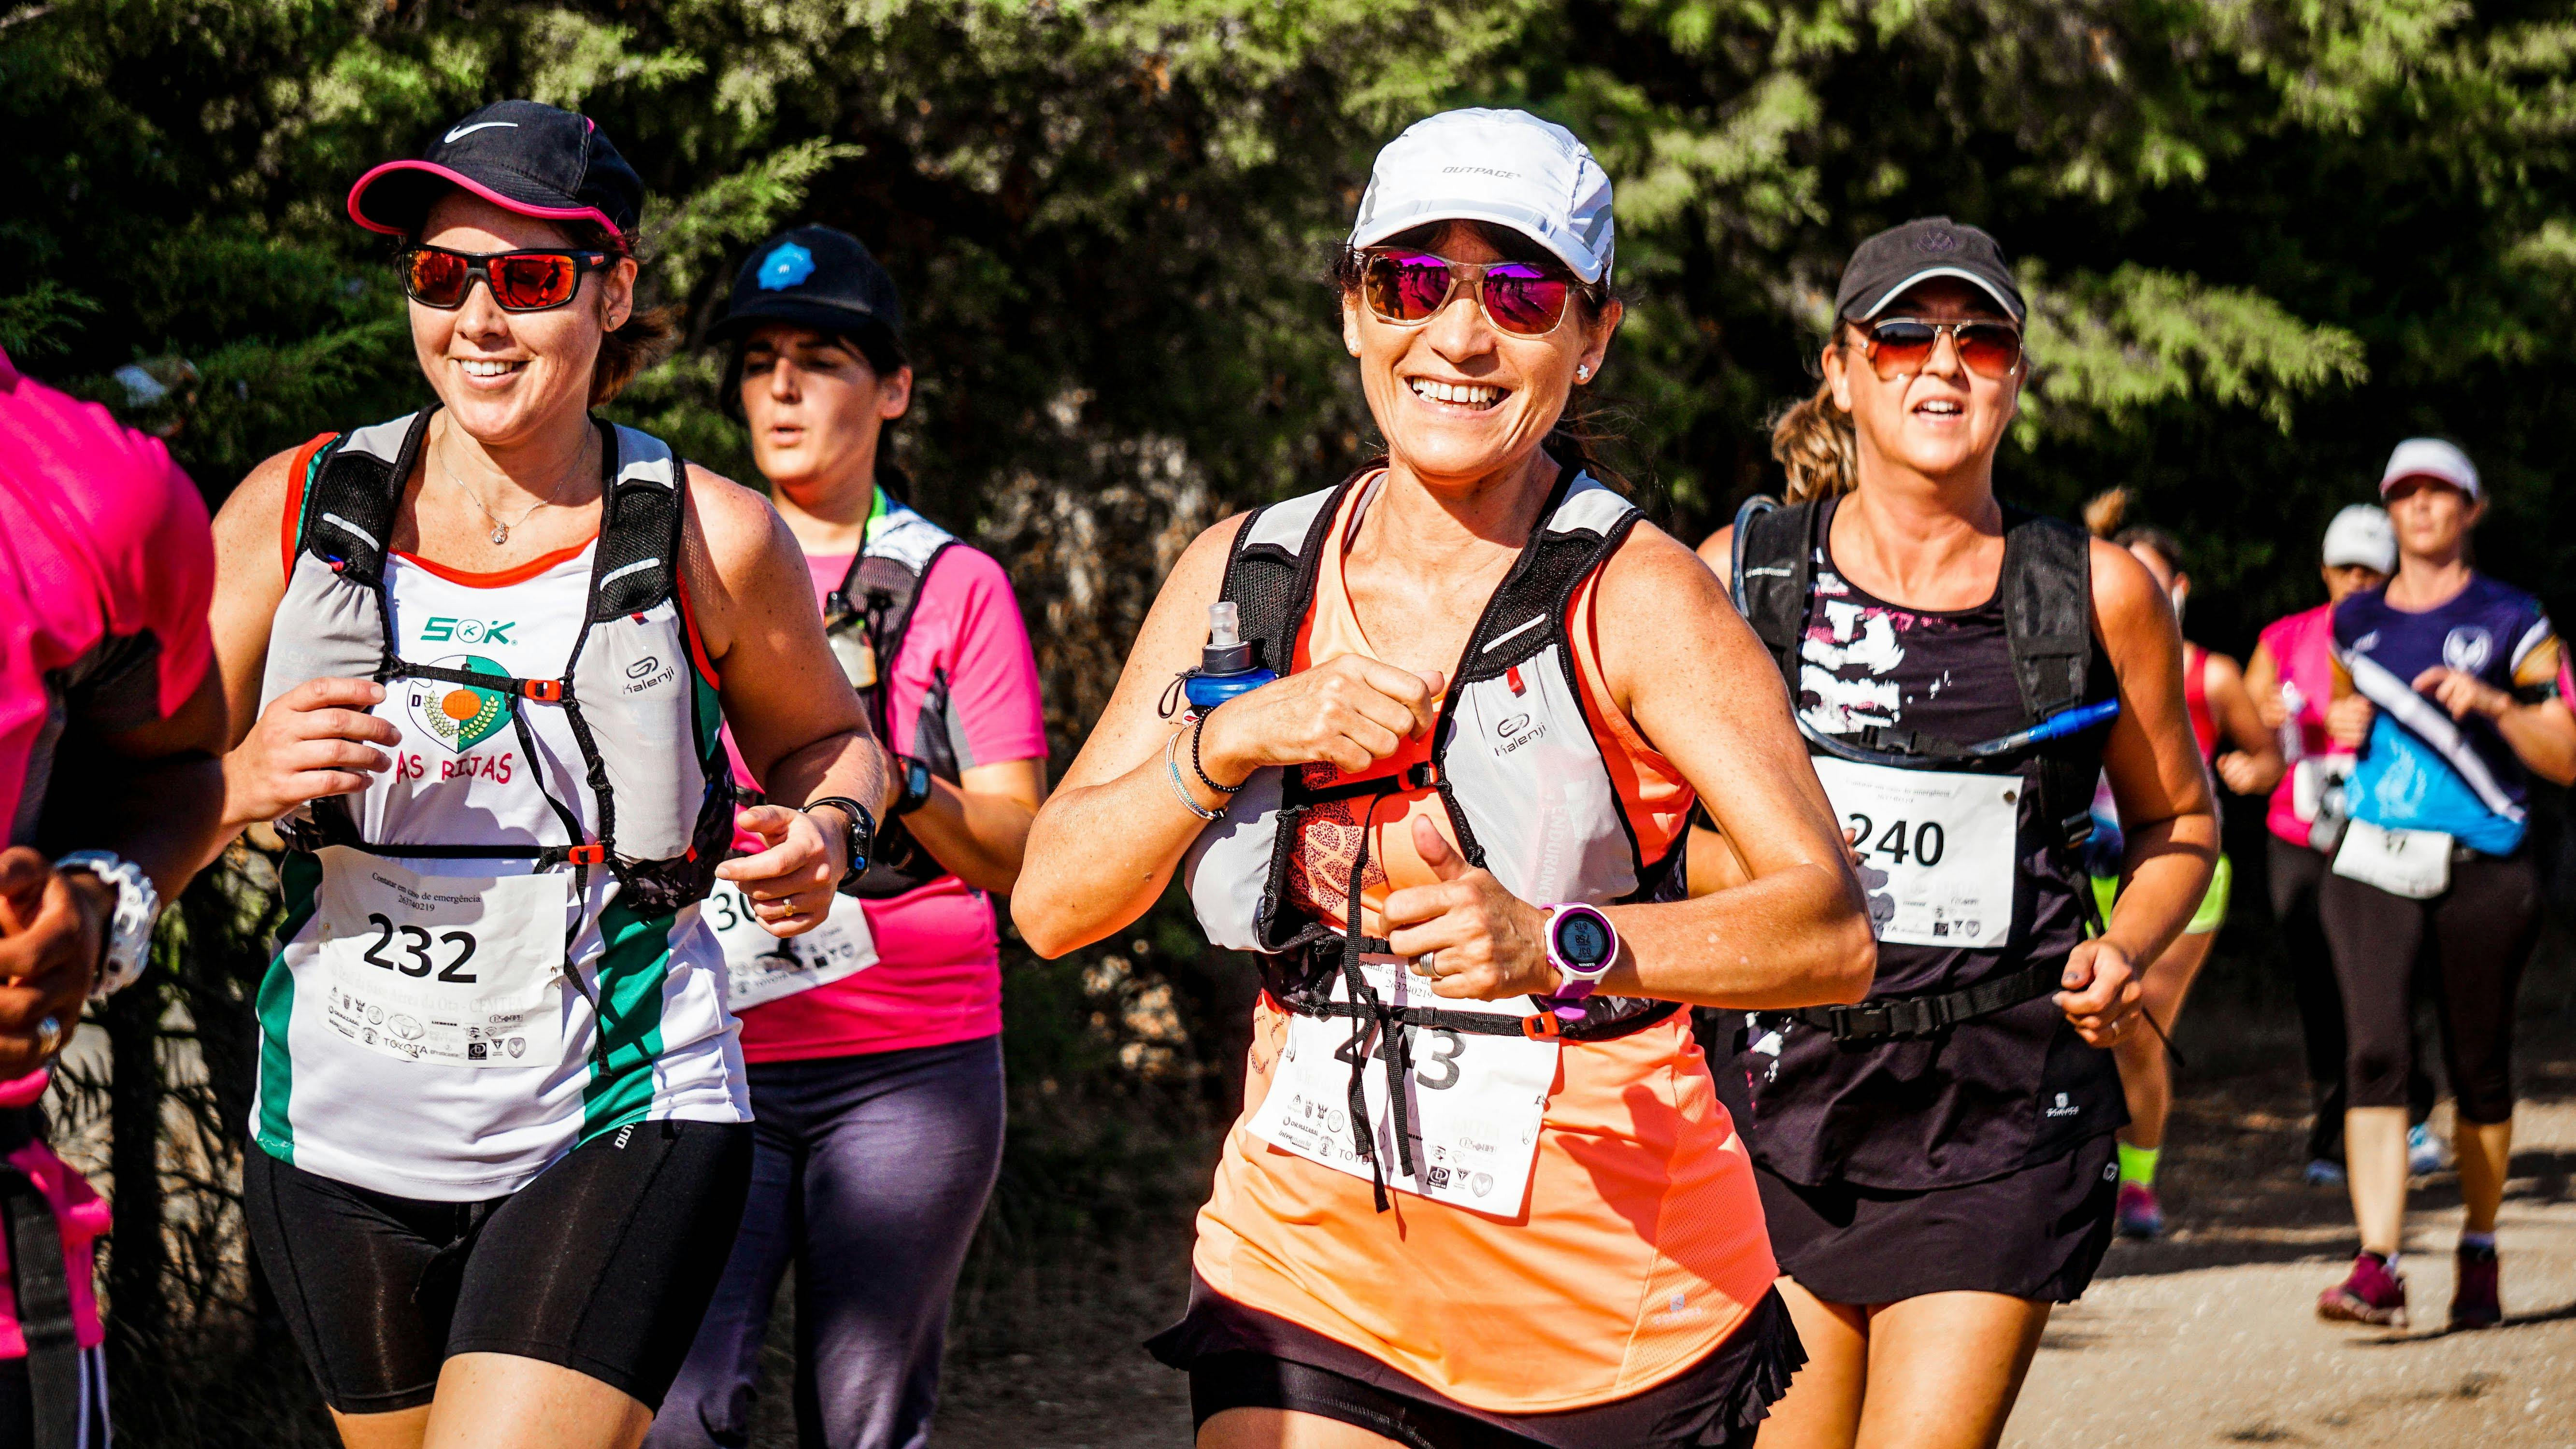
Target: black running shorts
604 1265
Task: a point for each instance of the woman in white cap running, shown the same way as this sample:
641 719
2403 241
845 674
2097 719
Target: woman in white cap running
1936 1162
2446 686
478 660
2291 679
1449 831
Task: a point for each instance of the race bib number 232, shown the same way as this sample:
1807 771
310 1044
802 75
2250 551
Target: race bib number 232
462 971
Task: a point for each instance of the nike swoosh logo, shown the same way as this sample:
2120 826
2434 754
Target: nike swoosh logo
477 126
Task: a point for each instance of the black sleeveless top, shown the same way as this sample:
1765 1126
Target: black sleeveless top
1986 1097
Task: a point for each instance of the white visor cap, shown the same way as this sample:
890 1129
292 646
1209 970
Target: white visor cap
2360 535
1505 167
2433 458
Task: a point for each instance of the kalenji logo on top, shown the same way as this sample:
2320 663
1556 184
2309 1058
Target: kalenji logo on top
441 629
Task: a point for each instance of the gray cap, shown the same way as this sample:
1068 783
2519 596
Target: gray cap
1882 267
1505 167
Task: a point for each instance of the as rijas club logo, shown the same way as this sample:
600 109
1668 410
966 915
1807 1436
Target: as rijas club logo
458 716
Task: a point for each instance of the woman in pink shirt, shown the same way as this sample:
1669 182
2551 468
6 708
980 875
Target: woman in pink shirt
874 1052
2290 677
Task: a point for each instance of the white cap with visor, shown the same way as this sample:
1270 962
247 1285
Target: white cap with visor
2436 458
2360 535
1505 167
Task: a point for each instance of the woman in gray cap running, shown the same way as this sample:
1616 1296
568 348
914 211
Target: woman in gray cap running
1936 1163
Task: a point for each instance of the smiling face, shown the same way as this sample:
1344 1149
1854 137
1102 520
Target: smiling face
1457 399
2432 518
507 376
816 409
1942 420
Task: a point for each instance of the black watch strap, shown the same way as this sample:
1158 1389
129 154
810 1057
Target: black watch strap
862 837
916 784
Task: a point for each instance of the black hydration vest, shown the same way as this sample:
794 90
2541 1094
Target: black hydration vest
2046 590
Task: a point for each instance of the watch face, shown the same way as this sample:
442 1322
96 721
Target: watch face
1582 938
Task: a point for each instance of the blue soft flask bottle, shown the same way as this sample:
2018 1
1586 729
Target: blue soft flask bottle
1225 665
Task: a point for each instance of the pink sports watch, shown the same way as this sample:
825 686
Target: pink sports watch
1581 945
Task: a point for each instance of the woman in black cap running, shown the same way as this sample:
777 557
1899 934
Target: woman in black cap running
1936 1163
875 1043
478 659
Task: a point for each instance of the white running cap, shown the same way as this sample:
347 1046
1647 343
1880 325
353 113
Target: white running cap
2432 458
2360 535
1505 167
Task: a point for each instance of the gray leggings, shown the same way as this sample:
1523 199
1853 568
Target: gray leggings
869 1173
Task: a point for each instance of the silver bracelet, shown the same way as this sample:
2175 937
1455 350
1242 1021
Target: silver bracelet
1180 787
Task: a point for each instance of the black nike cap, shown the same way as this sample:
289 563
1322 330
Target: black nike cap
1882 267
811 276
521 156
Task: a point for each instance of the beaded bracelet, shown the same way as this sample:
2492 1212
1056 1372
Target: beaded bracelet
1180 787
1198 727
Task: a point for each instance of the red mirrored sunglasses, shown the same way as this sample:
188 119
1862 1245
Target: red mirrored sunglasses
1902 346
529 281
1517 297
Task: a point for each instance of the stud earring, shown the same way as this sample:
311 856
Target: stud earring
1583 372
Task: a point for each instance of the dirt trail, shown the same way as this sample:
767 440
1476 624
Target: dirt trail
2210 1338
2207 1338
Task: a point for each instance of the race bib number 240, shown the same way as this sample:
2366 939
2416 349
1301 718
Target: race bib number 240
1936 849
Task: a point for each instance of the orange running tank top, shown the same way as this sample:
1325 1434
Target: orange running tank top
1641 1246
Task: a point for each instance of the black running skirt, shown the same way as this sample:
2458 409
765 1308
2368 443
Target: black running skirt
2038 1233
1239 1357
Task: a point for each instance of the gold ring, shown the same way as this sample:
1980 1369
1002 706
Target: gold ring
49 1035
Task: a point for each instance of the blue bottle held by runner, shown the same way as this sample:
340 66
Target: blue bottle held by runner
1225 665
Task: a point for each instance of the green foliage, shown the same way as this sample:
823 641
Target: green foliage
2263 240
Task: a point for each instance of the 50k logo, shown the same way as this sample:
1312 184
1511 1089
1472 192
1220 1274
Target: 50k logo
440 629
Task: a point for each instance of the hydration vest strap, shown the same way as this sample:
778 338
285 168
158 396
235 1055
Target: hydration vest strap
543 691
44 1296
1904 1017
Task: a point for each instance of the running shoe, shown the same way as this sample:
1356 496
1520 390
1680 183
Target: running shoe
2139 1214
2325 1172
2371 1294
2424 1154
2474 1303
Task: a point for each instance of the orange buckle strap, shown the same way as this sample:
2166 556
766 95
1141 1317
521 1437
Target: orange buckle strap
543 691
1542 1027
591 854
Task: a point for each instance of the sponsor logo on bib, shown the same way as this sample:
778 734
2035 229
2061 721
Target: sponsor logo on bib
458 716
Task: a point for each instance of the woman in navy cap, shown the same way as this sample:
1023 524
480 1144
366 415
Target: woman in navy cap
875 1043
477 659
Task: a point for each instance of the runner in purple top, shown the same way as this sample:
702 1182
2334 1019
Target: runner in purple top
109 724
2446 684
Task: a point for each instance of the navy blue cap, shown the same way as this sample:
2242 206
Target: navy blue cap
521 156
811 276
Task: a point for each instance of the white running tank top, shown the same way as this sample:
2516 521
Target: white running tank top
339 1099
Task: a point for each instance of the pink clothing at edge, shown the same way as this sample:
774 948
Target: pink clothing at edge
2302 649
78 1214
938 976
101 537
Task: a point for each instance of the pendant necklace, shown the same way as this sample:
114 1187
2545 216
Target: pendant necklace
500 531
